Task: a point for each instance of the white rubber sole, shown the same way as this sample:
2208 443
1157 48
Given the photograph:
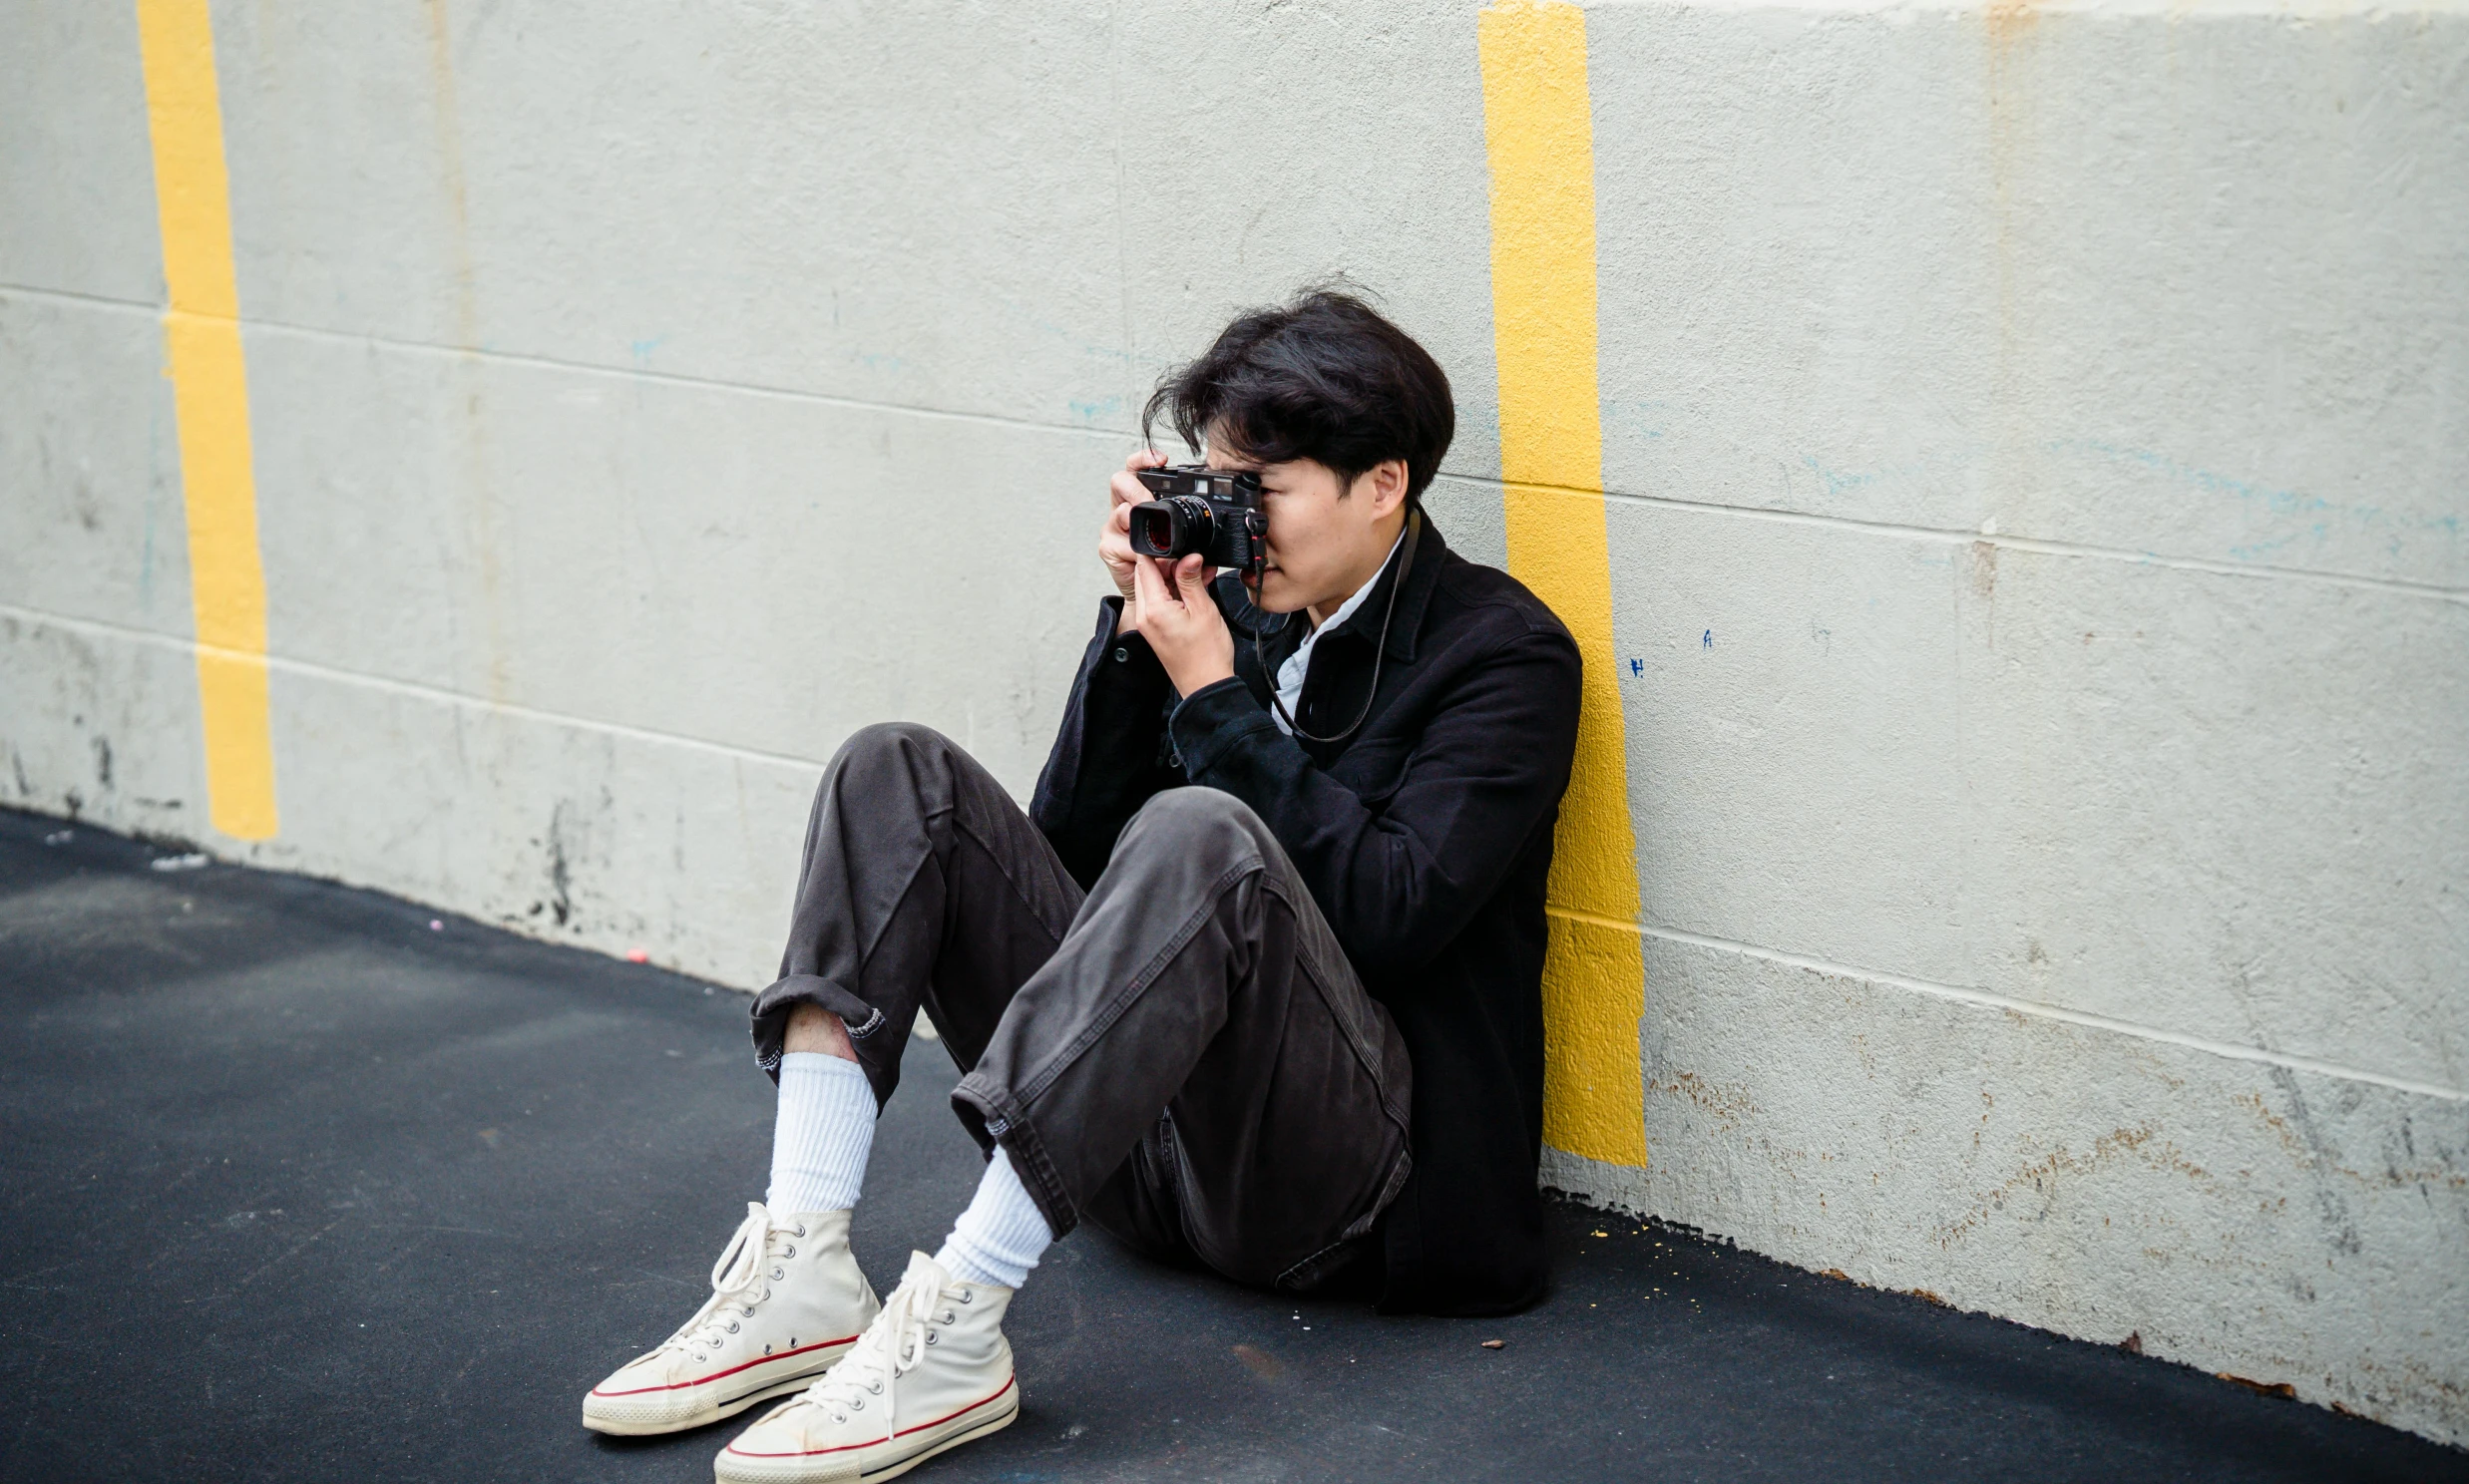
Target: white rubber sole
717 1411
782 1471
979 1430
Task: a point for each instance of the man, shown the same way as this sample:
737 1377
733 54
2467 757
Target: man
1255 982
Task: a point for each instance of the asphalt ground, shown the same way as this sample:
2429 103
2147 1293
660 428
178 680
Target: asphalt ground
299 1186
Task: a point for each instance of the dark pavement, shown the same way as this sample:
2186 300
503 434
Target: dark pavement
298 1188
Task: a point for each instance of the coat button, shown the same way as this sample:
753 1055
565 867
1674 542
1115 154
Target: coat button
1121 655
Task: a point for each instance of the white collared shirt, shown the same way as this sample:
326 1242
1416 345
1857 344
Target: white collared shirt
1290 675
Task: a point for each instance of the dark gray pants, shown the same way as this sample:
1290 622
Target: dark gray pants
1182 1056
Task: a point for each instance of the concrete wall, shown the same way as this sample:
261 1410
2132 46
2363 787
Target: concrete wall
2035 454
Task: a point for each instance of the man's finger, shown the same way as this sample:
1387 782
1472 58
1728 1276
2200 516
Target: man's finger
1187 575
1148 589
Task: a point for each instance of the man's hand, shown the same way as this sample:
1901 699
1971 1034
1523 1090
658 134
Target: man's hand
1174 613
1115 541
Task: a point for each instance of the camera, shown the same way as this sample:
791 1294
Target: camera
1215 511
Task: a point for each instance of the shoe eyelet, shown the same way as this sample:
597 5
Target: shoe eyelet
777 1274
732 1326
840 1417
873 1391
857 1406
767 1349
931 1336
801 1229
950 1317
792 1251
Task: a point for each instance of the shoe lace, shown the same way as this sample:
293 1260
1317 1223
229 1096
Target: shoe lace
739 1270
891 1347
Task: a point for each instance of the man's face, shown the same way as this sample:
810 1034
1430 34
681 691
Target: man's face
1324 541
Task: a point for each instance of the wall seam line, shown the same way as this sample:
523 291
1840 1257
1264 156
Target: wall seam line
334 674
1944 535
587 368
1989 999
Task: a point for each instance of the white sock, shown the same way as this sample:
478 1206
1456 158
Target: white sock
1000 1235
822 1134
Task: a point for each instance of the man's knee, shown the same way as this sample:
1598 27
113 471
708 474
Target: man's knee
892 739
1203 823
883 764
886 747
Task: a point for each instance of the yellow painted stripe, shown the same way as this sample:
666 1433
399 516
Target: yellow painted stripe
209 396
1540 137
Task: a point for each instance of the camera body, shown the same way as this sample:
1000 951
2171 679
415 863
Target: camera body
1215 511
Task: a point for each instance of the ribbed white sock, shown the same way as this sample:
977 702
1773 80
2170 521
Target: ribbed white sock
822 1134
1000 1235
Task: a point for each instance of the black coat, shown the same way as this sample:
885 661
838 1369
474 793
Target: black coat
1425 839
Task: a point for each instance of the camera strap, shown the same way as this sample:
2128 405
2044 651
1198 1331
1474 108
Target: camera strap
1380 655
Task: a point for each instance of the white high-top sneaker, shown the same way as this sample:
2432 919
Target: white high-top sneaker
931 1372
787 1299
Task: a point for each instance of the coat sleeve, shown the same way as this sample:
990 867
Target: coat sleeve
1398 879
1106 759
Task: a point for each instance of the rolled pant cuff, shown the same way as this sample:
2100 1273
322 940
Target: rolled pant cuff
771 1016
994 1116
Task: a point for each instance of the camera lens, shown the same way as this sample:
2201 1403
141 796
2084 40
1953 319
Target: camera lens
1152 529
1171 527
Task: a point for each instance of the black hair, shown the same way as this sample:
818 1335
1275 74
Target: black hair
1322 377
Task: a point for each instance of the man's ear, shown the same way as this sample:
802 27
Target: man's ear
1387 481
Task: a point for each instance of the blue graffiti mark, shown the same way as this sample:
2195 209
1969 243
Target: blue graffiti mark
1837 484
1641 418
1637 667
642 349
2280 502
2257 551
1089 412
1709 641
1927 473
2272 503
